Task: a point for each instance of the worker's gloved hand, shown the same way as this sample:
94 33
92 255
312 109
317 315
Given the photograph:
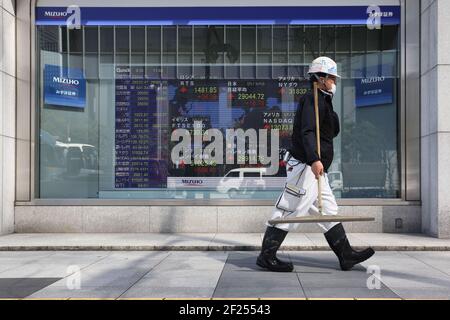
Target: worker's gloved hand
317 169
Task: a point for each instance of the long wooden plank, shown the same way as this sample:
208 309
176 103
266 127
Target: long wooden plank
318 219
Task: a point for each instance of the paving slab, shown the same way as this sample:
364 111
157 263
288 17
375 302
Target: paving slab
109 275
180 278
134 257
261 279
244 261
10 266
330 293
242 279
423 293
41 271
222 274
48 264
216 255
247 260
316 262
334 280
439 261
259 292
86 292
403 271
413 279
23 287
201 261
198 265
169 292
80 258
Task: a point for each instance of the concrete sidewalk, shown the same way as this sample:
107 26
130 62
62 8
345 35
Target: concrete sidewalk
206 275
212 242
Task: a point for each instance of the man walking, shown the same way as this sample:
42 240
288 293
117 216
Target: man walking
304 168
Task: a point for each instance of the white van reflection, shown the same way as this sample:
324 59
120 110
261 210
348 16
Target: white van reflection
241 182
336 181
81 157
67 159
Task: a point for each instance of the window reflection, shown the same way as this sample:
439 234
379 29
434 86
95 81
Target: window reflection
225 77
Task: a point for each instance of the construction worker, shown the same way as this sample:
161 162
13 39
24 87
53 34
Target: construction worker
304 167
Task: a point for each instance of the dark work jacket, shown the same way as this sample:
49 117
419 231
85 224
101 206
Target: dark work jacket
304 143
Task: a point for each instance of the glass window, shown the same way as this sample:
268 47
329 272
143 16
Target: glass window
252 175
91 43
232 174
182 111
106 39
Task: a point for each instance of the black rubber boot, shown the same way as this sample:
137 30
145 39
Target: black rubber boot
348 257
273 238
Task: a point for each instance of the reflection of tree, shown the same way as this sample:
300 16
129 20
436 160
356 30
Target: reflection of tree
363 143
310 40
327 37
55 125
390 159
213 50
64 124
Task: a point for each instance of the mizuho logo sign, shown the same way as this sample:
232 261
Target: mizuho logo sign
372 80
66 81
72 13
55 14
192 182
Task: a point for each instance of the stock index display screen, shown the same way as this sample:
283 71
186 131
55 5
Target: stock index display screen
246 104
148 111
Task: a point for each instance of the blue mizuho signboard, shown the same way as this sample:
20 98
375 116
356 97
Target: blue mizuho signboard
373 91
64 86
273 15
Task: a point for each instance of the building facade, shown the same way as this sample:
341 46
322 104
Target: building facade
156 117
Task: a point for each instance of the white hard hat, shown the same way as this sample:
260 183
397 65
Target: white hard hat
324 65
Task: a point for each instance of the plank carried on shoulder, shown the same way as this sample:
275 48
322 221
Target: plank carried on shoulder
319 219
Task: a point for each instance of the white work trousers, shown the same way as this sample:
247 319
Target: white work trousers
301 176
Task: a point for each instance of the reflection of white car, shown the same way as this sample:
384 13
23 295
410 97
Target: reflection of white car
242 181
80 156
336 181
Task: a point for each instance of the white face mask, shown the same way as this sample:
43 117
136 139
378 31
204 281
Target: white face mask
333 89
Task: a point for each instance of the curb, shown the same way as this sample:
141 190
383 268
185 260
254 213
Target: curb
208 248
